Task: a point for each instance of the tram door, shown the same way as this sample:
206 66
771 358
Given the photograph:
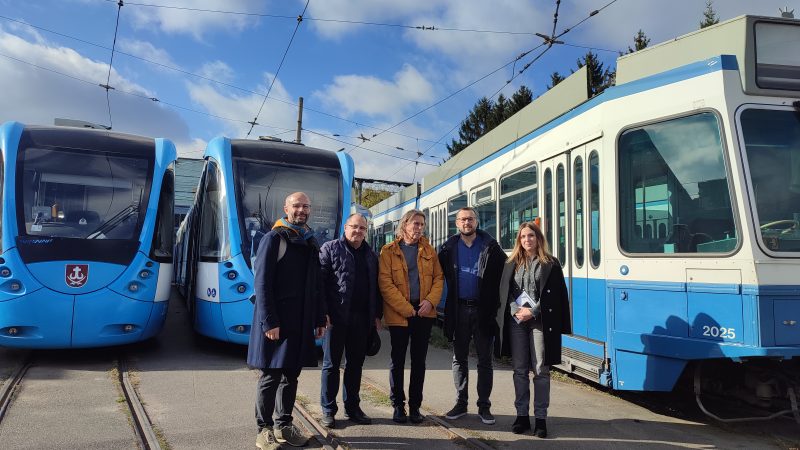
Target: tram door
555 219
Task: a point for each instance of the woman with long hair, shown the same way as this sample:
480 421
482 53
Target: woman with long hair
534 313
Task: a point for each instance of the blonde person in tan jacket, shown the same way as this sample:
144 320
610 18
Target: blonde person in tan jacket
411 282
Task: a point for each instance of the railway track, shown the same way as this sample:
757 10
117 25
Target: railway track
145 435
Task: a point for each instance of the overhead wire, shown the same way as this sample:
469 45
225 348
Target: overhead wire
107 86
275 77
323 135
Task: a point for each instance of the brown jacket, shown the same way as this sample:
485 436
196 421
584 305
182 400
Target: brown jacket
393 281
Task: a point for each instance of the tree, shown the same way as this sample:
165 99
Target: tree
709 16
555 78
640 41
371 197
487 114
600 79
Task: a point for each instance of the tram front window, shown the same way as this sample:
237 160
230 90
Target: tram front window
772 143
262 188
82 195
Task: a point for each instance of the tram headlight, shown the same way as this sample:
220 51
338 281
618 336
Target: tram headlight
232 275
133 287
240 329
241 288
5 272
145 274
15 286
127 328
12 331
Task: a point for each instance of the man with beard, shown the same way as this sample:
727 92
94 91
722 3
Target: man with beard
472 262
289 313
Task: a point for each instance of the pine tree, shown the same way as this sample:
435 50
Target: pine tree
600 79
555 78
640 41
709 16
486 115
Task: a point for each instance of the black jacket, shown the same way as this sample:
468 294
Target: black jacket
490 267
556 314
339 277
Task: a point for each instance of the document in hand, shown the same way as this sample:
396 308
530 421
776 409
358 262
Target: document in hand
524 301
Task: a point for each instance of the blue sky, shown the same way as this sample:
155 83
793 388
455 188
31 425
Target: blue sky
356 79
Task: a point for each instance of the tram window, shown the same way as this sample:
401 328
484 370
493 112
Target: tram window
777 64
214 243
164 235
428 225
561 237
772 142
548 206
388 233
578 211
453 205
485 205
673 173
519 202
594 207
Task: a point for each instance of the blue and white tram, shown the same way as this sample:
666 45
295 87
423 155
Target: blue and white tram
673 202
240 195
87 236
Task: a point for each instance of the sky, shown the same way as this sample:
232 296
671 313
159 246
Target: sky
192 70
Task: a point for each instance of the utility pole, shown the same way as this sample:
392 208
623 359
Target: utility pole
299 119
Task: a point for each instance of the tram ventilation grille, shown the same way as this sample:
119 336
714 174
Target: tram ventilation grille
588 374
582 357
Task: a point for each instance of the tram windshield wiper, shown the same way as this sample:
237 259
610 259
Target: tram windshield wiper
114 221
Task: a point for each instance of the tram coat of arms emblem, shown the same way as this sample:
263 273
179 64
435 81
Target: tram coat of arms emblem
76 275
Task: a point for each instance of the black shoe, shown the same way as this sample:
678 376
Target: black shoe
328 421
399 415
486 415
521 425
358 416
457 412
414 415
540 428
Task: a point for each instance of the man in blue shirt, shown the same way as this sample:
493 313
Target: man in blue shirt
472 262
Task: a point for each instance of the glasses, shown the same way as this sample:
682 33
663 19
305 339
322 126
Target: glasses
303 206
465 219
357 227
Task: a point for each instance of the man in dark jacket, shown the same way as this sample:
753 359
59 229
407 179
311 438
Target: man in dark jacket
350 286
289 313
472 262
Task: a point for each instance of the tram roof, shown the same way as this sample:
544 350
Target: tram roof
284 153
89 139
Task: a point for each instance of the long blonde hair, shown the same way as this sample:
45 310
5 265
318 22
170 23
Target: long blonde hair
400 231
518 256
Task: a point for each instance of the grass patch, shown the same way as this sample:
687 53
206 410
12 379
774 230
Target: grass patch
375 396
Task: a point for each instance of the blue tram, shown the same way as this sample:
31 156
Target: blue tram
672 201
87 236
239 197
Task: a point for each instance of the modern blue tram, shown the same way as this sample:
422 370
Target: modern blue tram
240 195
672 200
87 236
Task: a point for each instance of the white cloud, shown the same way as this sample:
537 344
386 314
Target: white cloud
217 70
197 23
37 96
358 94
276 117
146 50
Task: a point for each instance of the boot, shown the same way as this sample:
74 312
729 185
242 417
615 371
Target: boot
521 425
540 428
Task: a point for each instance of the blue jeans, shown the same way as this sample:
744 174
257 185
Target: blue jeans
351 341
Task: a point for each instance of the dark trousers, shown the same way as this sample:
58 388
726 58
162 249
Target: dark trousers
350 340
418 332
527 355
467 329
276 392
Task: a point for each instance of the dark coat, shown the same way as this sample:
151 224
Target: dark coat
287 296
490 268
338 266
556 314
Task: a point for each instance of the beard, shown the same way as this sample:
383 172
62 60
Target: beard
298 220
470 233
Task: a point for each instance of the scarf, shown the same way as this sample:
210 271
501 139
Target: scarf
293 232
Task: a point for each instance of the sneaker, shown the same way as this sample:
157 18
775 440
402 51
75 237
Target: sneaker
266 440
399 415
328 421
540 428
358 416
290 435
486 415
414 415
458 411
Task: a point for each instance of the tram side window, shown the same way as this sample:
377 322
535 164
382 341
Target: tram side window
519 202
561 230
594 205
578 180
214 243
164 235
483 200
548 207
453 205
388 233
674 195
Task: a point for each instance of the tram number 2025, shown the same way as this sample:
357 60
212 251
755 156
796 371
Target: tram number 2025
719 332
